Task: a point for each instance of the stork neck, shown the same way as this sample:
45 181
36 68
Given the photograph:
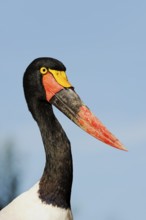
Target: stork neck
56 182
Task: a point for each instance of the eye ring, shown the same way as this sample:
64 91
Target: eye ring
43 70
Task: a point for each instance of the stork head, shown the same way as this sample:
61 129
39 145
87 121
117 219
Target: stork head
46 79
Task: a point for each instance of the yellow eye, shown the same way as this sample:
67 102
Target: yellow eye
43 70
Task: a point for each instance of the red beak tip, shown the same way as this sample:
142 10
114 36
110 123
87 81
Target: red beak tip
123 148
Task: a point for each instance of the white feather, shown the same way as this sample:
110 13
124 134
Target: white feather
28 206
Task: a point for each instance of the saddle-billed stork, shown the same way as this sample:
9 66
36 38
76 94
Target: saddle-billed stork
46 84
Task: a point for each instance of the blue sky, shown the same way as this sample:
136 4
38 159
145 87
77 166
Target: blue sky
102 44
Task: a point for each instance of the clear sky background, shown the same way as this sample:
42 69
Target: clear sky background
103 45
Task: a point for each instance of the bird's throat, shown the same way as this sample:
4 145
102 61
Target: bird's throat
56 182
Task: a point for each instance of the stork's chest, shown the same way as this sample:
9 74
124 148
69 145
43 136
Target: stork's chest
28 206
